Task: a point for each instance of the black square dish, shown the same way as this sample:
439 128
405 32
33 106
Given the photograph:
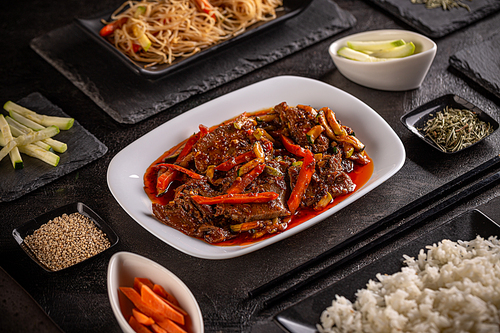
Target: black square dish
31 226
416 119
93 25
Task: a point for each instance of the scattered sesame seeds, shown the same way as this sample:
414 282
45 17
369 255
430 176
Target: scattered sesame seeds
66 240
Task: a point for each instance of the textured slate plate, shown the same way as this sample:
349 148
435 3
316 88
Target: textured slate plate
303 317
93 25
481 64
83 148
438 22
130 98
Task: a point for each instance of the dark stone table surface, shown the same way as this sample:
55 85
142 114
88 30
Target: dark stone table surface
76 300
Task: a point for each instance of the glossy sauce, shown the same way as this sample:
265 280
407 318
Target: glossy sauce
360 176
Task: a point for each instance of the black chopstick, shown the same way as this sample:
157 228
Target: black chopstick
412 206
440 208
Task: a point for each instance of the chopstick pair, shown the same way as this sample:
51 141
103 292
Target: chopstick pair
433 196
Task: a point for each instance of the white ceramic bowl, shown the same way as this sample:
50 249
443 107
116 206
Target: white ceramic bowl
125 266
394 75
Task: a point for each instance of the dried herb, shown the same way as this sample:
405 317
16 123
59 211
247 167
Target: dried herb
445 4
455 129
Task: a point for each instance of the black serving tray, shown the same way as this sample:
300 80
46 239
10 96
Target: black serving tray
438 22
303 316
129 98
481 64
416 119
94 24
83 148
29 227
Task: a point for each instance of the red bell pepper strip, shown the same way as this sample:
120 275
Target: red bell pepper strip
109 28
236 198
229 164
292 147
176 167
303 180
241 183
205 6
165 179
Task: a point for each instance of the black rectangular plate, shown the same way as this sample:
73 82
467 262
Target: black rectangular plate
129 98
83 148
415 120
29 227
94 24
303 316
481 64
438 22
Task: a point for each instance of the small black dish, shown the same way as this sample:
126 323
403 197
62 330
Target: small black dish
93 25
416 119
29 227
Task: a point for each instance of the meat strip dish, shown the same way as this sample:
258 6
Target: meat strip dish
251 175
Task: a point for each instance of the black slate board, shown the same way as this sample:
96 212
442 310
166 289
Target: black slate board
83 148
130 98
481 64
437 22
303 316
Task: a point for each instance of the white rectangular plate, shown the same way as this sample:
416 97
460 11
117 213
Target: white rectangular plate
126 170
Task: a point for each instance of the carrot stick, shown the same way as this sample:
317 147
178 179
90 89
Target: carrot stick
303 180
138 282
171 328
159 290
229 164
242 182
236 198
137 327
155 302
142 318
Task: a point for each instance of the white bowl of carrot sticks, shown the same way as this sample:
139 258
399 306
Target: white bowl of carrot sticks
147 297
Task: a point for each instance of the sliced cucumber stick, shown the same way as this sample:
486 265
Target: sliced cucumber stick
375 45
64 123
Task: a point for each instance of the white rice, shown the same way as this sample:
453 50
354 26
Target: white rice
454 287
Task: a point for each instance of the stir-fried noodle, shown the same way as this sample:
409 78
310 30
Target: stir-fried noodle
181 28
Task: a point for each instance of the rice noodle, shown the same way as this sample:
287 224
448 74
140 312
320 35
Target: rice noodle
179 28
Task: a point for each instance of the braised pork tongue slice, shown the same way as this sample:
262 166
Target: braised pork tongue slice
299 121
187 216
223 143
